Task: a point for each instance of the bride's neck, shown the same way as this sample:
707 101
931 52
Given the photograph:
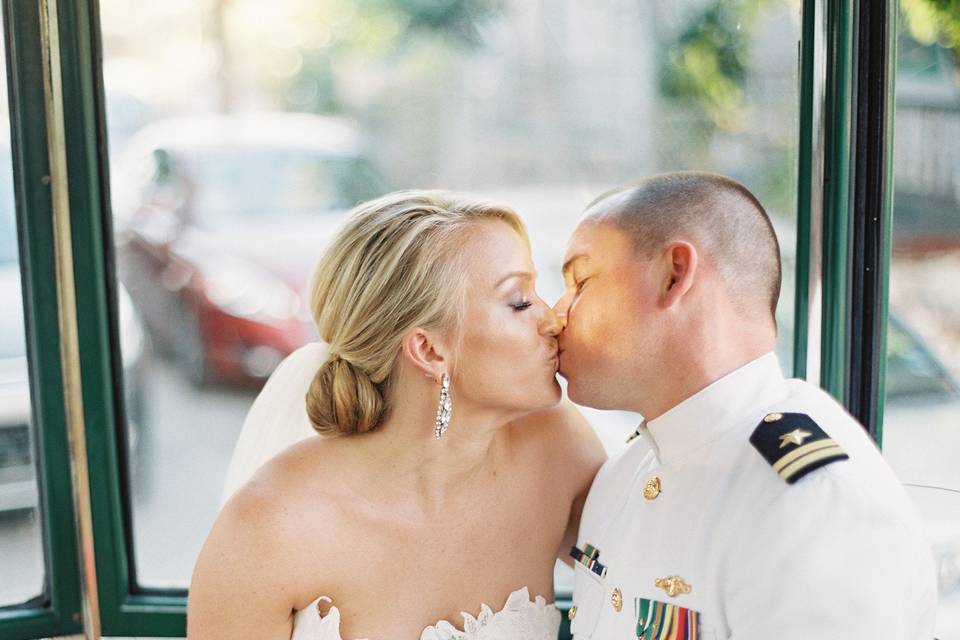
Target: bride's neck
408 458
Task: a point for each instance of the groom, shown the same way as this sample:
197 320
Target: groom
746 505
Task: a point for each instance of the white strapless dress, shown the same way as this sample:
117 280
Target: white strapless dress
520 619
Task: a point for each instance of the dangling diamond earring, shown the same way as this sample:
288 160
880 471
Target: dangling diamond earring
444 409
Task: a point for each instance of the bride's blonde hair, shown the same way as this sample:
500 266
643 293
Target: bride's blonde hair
395 265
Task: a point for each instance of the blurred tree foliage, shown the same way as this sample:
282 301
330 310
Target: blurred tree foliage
934 21
707 63
457 20
372 30
703 67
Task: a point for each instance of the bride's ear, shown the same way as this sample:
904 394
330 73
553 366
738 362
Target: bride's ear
425 352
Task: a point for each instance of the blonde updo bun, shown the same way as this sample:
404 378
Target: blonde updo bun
392 267
343 399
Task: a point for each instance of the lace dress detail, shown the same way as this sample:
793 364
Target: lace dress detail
519 619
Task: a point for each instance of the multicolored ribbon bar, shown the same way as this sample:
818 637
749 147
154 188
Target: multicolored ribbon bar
589 557
663 621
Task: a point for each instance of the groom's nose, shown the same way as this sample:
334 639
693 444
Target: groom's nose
551 324
561 307
562 319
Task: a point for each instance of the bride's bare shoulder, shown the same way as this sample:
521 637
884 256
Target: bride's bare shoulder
276 491
269 522
561 437
305 472
557 426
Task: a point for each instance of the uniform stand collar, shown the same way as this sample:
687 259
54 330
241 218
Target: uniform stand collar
715 409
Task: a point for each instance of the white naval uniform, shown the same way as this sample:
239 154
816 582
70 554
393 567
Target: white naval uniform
838 554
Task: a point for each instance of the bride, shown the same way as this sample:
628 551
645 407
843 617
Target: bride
455 477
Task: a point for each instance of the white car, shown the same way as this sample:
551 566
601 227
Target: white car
18 482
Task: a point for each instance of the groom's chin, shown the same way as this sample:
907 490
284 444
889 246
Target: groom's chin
574 390
584 394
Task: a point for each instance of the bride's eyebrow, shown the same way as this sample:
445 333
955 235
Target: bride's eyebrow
527 275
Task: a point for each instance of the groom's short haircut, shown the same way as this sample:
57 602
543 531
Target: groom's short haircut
719 215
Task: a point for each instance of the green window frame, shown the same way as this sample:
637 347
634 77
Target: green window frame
60 168
58 610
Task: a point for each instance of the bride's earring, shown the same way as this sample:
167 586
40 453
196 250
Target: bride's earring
444 409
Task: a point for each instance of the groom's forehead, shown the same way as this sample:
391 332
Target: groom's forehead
578 248
591 240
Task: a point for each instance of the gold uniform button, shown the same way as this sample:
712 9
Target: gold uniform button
572 613
651 489
773 417
617 599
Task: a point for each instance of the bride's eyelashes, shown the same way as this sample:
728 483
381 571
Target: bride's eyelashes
523 305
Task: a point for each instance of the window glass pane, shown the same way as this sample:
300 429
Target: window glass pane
22 567
921 430
221 205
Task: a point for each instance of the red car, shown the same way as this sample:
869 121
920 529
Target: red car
219 221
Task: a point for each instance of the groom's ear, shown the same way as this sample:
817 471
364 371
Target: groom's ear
425 352
679 267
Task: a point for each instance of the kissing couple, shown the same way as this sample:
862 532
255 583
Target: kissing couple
451 476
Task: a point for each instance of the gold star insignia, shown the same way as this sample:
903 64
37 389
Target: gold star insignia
797 436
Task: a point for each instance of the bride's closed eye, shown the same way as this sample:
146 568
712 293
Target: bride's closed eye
523 305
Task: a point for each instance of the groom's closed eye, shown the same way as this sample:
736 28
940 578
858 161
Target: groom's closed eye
570 264
576 281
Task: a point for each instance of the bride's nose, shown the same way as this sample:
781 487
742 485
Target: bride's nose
551 324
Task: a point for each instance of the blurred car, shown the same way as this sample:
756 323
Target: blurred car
18 484
219 221
17 477
921 434
127 113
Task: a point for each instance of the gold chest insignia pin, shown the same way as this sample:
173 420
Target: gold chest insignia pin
673 585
